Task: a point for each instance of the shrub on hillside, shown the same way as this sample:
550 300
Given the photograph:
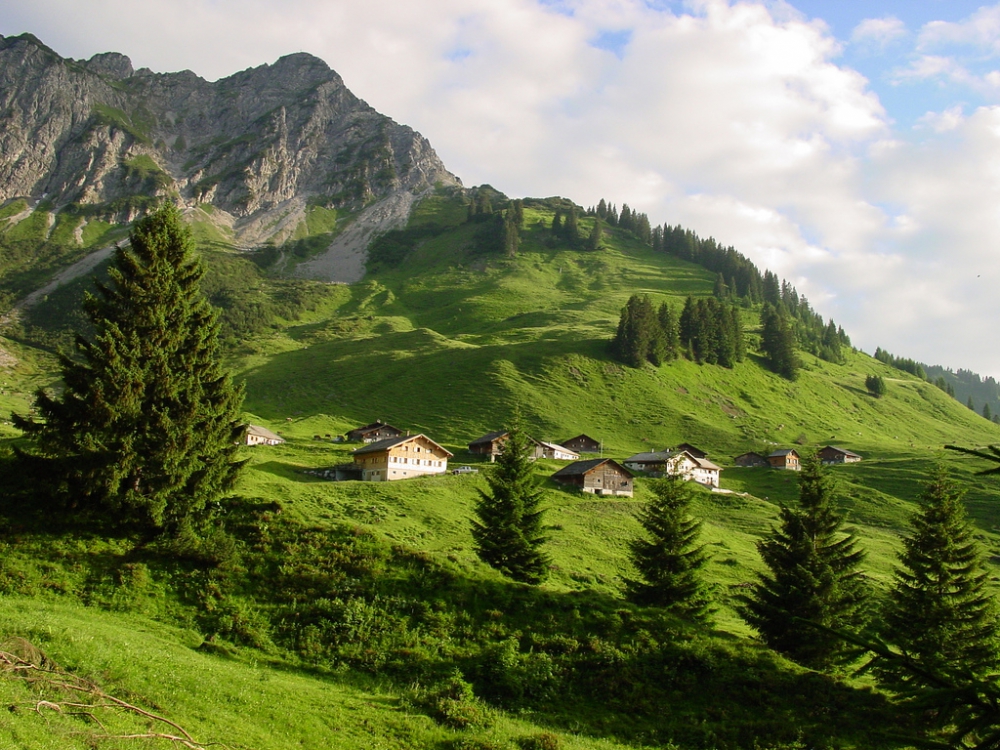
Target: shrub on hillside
452 703
541 741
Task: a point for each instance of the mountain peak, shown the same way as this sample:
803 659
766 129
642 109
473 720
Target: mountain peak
112 64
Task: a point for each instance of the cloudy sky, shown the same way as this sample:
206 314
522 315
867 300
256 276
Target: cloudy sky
852 147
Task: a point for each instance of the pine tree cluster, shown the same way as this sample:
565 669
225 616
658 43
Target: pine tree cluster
737 278
956 384
646 334
712 332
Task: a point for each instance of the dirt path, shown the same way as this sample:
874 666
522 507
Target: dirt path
83 266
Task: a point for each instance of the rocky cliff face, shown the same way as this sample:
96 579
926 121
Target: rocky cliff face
256 145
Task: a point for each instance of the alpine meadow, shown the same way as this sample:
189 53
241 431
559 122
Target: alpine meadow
171 280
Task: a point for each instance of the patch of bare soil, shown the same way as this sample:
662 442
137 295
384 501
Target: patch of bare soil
344 261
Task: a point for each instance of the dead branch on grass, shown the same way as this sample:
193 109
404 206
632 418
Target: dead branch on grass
22 660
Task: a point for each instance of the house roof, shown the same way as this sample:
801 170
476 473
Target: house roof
383 445
578 468
489 437
582 436
692 450
841 450
704 463
263 432
749 454
649 458
783 452
376 425
556 447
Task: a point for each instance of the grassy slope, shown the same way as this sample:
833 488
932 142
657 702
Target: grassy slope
243 700
448 343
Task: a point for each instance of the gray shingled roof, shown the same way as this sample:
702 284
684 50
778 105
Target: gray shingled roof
783 452
578 468
842 450
655 457
382 445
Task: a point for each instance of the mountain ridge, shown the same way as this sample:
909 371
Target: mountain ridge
108 140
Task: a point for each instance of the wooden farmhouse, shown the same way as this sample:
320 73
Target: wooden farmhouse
401 457
693 469
558 452
647 462
372 433
833 455
257 435
600 476
582 444
785 458
752 460
491 444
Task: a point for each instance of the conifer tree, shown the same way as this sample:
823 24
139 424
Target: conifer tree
511 236
639 337
518 207
669 558
707 341
830 344
594 240
671 335
571 229
689 325
939 612
508 531
813 574
148 424
875 385
987 412
778 342
736 326
557 222
720 290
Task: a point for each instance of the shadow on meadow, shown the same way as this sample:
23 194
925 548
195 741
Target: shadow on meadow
340 598
337 600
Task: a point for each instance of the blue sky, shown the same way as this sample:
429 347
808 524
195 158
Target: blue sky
881 61
851 147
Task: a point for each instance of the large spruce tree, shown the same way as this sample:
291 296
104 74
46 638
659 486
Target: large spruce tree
668 558
939 612
813 575
507 531
147 426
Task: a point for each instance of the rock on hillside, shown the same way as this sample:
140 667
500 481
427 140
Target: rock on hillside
255 145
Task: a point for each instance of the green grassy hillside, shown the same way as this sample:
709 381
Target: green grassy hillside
349 615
